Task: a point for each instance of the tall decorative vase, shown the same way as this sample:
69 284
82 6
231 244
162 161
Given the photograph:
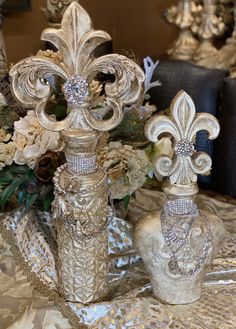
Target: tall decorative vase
178 244
80 204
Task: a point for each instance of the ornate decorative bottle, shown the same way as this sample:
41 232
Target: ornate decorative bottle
178 244
80 204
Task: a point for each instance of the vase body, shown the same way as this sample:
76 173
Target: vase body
80 211
177 250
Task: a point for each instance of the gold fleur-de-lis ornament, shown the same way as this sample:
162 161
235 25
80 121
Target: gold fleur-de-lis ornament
80 207
178 243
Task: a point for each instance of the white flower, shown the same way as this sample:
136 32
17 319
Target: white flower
7 151
126 167
32 140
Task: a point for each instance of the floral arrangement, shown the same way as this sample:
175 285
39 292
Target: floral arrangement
30 154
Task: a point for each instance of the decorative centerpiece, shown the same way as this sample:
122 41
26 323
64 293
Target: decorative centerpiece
80 206
225 58
182 15
211 25
178 244
55 11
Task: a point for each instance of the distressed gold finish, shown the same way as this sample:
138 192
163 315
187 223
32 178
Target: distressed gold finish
182 16
178 244
80 205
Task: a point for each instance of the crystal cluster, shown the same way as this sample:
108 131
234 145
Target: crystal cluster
76 90
184 148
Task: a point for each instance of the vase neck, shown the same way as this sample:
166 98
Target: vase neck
80 151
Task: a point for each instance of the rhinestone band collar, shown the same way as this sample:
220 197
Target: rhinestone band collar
82 164
181 206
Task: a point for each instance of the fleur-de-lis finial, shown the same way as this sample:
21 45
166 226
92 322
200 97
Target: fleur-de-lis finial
183 124
77 65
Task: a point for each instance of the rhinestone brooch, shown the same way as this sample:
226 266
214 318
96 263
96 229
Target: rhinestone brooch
76 90
184 148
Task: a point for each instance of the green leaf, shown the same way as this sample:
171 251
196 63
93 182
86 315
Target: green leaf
9 190
47 201
6 178
30 199
126 201
19 170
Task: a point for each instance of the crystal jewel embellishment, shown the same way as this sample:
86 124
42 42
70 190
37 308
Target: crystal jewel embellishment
184 148
76 90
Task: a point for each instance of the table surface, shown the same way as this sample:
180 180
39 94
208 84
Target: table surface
132 304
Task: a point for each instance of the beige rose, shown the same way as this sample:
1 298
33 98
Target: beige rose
32 140
7 151
126 167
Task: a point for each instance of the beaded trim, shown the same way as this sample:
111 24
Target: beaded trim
71 186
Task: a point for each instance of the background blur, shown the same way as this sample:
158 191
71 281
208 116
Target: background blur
133 24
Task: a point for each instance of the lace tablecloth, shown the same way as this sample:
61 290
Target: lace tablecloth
29 237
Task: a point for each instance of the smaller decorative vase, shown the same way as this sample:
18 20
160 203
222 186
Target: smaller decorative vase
178 244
